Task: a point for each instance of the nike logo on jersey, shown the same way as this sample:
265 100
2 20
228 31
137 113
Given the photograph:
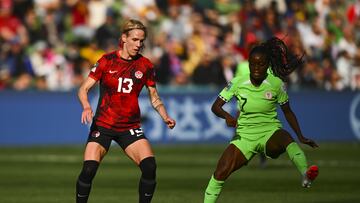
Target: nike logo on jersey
112 71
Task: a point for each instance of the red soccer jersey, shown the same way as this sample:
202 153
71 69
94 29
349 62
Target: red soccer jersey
121 82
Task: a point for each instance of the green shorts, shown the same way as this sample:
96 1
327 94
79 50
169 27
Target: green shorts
251 147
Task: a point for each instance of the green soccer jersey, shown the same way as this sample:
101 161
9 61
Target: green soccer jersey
257 105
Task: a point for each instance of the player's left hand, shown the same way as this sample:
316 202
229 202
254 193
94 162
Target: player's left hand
309 142
170 122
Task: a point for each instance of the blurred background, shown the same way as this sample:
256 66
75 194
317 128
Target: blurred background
47 48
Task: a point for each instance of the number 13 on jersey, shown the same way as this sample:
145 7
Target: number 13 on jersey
125 85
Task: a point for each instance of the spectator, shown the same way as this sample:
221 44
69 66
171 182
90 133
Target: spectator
81 30
11 28
108 32
19 66
344 68
209 71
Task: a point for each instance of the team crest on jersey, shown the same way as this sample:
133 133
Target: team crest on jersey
138 74
268 95
93 69
95 134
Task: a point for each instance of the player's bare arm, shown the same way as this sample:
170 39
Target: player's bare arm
158 105
217 109
87 114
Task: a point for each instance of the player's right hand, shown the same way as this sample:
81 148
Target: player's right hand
87 115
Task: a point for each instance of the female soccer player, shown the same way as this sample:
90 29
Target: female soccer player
257 128
121 74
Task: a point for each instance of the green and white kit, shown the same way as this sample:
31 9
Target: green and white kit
258 116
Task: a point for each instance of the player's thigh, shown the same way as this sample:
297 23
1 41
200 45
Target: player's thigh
231 160
94 151
277 143
98 144
139 150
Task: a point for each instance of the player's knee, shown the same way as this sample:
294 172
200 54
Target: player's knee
222 172
274 156
88 171
275 152
148 168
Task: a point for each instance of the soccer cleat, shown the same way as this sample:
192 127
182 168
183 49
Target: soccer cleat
309 176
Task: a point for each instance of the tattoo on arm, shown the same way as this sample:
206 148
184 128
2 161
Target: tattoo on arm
156 103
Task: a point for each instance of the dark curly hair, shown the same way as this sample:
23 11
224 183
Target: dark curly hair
282 62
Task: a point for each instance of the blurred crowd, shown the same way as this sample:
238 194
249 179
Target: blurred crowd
52 44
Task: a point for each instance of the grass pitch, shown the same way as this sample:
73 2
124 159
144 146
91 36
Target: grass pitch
48 175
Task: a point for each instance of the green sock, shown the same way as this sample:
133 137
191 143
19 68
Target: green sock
297 156
213 190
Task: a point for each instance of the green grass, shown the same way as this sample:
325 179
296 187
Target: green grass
48 174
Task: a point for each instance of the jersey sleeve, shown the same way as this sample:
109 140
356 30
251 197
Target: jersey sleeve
98 69
282 94
229 91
